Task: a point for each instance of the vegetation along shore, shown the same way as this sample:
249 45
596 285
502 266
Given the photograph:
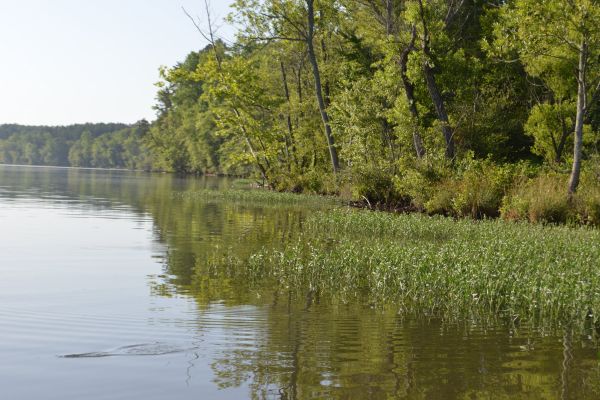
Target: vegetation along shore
432 266
462 109
477 109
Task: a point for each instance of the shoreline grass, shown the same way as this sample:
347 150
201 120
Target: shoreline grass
262 197
438 266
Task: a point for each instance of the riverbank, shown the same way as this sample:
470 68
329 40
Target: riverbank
476 189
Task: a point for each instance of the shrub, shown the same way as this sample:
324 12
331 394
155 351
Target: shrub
311 182
377 187
541 199
473 188
287 183
587 200
482 187
421 181
442 198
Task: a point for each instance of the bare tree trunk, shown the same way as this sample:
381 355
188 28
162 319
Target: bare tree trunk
318 86
560 148
579 120
440 109
326 88
302 159
290 137
298 76
409 90
299 83
434 91
389 20
261 168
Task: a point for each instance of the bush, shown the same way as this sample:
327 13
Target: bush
587 200
421 181
310 182
377 187
482 187
442 198
473 188
541 199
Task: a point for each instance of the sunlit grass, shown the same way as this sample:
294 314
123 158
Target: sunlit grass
438 266
259 197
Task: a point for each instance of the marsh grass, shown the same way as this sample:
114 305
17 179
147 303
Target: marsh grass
261 197
437 266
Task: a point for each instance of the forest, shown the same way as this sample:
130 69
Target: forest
479 108
83 145
458 107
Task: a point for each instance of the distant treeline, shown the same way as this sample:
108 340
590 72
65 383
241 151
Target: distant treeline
82 145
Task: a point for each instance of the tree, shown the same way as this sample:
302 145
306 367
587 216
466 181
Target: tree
295 21
80 154
558 41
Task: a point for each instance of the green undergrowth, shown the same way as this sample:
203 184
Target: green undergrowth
437 266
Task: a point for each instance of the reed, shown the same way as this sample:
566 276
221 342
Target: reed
438 266
259 197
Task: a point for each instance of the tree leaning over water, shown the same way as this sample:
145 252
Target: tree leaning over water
298 21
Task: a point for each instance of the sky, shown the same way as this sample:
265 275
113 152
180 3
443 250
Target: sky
77 61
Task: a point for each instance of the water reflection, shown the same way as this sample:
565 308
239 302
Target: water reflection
278 343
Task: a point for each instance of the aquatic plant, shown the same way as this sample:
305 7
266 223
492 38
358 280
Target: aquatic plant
259 197
438 266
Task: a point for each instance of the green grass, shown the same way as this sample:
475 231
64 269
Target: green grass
438 266
259 197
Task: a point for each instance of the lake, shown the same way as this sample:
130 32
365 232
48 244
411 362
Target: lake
107 291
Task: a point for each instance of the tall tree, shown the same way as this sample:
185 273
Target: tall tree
559 42
292 20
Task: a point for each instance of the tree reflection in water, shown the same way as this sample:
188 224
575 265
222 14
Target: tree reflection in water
292 343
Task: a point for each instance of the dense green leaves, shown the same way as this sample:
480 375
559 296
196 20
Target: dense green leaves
89 145
402 90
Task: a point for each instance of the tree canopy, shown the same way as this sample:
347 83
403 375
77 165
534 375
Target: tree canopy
316 95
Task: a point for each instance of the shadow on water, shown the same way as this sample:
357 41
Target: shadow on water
286 344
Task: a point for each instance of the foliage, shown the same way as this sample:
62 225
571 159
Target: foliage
431 105
376 187
540 199
89 145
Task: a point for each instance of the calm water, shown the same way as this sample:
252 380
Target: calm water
111 269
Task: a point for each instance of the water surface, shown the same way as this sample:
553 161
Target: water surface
106 292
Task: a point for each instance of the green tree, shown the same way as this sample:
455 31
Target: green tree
559 43
295 21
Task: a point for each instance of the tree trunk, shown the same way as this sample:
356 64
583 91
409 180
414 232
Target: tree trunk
440 108
560 148
326 88
409 90
389 17
434 91
261 168
579 120
318 86
290 137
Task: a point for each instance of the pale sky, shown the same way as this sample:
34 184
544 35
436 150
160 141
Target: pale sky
75 61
